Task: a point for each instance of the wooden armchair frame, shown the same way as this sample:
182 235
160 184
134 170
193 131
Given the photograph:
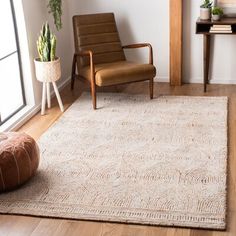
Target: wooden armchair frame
93 85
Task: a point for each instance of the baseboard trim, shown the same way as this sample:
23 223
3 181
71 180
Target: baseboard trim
60 87
199 80
31 111
13 126
162 79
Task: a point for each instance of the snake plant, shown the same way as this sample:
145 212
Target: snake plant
46 44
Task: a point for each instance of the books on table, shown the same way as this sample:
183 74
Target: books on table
223 29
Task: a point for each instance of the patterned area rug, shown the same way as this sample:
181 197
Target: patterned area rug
159 162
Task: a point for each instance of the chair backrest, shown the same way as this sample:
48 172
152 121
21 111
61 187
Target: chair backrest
98 33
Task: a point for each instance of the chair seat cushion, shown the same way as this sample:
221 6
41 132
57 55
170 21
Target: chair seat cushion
119 72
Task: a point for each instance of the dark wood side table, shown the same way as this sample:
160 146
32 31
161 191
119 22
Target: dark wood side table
203 27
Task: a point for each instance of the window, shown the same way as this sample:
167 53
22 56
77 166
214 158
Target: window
12 98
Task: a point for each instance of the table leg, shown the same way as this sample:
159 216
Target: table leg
206 59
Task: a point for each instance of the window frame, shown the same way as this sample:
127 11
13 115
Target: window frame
19 64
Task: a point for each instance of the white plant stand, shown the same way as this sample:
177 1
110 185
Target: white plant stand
46 94
48 73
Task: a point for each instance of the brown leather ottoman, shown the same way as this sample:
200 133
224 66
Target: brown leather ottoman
19 159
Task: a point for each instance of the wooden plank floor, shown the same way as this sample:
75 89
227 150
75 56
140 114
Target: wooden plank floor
21 225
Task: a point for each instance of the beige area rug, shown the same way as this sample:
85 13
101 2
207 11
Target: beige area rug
159 162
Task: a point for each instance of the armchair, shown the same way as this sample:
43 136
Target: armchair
99 55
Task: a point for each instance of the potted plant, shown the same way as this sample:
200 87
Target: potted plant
47 66
55 7
205 10
217 12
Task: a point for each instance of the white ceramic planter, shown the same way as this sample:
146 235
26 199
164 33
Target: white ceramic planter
205 13
48 71
215 17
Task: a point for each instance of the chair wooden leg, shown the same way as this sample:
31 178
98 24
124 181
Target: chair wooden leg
94 96
151 82
73 72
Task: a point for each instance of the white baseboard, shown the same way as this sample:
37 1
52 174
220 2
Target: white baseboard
29 112
199 80
162 79
61 86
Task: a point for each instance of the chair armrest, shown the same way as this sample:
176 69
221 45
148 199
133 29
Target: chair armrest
84 53
142 45
91 63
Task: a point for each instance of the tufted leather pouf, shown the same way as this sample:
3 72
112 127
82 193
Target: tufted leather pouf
19 159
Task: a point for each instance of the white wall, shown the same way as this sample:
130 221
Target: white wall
36 13
138 21
223 51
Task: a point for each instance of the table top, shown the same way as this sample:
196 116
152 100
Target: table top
223 21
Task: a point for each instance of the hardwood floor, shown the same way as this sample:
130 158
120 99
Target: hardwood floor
21 225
